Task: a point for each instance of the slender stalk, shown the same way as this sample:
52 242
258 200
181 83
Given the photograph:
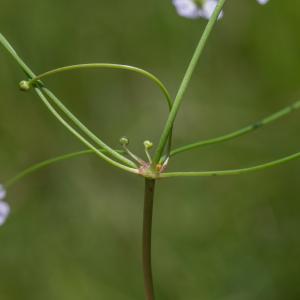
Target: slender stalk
33 79
17 58
83 140
257 125
38 166
31 75
90 134
147 231
107 66
267 165
185 82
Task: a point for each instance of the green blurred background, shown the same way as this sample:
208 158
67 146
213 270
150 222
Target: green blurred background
75 228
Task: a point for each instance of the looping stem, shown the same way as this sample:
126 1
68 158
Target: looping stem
140 71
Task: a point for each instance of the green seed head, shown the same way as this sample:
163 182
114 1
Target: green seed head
148 144
124 141
24 85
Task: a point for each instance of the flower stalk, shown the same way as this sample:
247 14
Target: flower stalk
147 237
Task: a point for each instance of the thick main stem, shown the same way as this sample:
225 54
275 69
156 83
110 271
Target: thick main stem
147 231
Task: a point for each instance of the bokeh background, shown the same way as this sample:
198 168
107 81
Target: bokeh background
75 228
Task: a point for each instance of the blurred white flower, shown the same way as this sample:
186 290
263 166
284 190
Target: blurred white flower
262 1
4 207
192 9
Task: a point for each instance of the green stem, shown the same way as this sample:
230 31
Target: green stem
281 113
83 140
107 66
36 167
147 232
185 82
31 75
235 171
17 58
33 78
90 134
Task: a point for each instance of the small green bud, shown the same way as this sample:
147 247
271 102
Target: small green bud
24 85
148 144
124 141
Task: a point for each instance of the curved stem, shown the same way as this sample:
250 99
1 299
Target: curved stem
268 165
38 166
281 113
147 232
83 140
31 75
107 66
185 82
90 134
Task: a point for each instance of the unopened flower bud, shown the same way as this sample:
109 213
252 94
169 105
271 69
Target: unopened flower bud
148 144
24 85
124 141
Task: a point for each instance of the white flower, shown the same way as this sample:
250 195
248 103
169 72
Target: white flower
186 8
189 8
192 9
262 1
4 207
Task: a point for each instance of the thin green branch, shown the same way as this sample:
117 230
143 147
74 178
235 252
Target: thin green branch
83 140
31 75
38 166
17 58
107 66
90 134
271 164
185 82
281 113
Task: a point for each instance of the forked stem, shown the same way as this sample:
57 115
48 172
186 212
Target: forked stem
147 232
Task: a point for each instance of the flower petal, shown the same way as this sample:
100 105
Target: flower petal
186 8
189 8
4 212
209 8
262 1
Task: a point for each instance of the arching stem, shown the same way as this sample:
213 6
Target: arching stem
147 231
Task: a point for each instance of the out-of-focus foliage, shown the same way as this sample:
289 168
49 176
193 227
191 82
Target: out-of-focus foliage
75 228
